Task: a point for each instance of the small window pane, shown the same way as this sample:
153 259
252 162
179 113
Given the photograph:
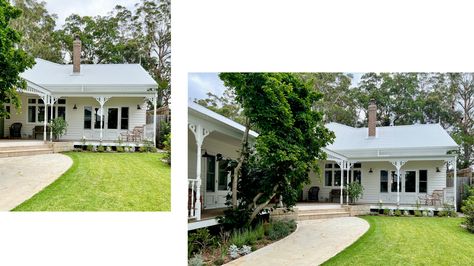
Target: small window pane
40 101
423 184
383 181
223 175
87 117
40 113
328 165
337 178
112 118
31 100
62 112
62 101
211 174
357 165
124 118
337 166
410 181
328 178
357 176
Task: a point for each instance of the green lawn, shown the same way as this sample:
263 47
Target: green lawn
410 241
107 182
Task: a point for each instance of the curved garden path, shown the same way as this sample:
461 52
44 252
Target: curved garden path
313 242
22 177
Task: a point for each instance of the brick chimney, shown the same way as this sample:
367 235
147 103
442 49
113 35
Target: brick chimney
372 111
76 55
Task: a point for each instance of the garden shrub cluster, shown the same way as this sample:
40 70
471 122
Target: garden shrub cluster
211 248
468 210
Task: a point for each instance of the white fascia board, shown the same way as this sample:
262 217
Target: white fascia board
405 158
108 94
197 110
334 155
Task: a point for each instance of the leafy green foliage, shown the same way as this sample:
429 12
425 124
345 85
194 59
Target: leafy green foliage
13 60
280 229
468 210
119 149
280 106
100 148
355 191
200 240
167 148
225 105
58 126
397 212
37 25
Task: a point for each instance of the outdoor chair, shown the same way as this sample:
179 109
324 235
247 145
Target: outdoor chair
313 194
40 130
15 130
135 135
435 197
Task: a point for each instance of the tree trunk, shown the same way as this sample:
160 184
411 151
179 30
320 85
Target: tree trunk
243 154
260 207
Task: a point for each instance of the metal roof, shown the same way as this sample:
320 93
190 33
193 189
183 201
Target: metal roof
392 137
93 77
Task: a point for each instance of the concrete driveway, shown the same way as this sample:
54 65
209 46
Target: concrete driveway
313 242
22 177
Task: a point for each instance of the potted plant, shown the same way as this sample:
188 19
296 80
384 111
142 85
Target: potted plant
58 127
355 191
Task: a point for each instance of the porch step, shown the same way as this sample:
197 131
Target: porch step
25 147
25 151
323 215
321 210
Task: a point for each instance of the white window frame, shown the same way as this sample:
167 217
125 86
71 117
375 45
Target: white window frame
333 174
46 112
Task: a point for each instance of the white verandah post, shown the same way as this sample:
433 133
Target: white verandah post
398 165
45 99
102 100
199 133
52 100
349 165
341 164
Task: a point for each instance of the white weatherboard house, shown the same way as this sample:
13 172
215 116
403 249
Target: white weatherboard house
379 158
98 101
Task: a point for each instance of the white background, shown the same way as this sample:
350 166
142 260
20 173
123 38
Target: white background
265 35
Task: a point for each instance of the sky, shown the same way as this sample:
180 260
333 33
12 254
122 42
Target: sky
199 84
64 8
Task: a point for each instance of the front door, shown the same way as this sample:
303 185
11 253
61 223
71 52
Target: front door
217 180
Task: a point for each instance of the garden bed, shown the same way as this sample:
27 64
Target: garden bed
216 247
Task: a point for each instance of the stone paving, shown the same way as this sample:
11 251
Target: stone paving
22 177
313 242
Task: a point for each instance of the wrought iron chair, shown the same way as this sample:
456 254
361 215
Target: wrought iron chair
15 130
435 197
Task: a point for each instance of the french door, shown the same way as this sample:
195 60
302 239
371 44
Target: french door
217 180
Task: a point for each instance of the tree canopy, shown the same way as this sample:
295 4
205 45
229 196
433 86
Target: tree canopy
281 106
13 59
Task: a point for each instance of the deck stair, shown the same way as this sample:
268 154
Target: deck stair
25 150
322 213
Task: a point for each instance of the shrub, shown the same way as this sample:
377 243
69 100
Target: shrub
245 250
355 191
397 212
90 147
418 213
147 147
235 218
468 210
58 127
167 147
280 229
233 251
386 212
406 213
449 210
100 148
119 148
244 237
425 213
200 240
196 261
